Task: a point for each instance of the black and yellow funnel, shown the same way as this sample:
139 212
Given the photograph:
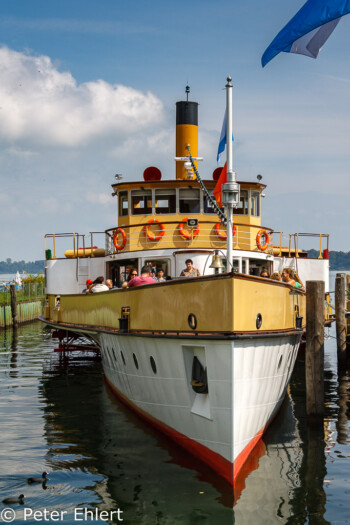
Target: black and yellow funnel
186 133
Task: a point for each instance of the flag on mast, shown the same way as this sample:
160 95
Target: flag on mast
308 30
222 141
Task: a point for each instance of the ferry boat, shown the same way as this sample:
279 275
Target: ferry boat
206 359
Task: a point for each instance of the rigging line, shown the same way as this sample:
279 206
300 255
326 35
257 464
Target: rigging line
212 201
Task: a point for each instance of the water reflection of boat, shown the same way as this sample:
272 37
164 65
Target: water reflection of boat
119 450
270 489
206 360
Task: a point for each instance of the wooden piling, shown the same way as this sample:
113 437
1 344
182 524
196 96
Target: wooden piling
314 351
13 304
340 287
347 309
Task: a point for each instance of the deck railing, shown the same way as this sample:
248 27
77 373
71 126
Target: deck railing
292 245
155 235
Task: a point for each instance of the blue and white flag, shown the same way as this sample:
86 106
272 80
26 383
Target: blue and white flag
309 29
222 141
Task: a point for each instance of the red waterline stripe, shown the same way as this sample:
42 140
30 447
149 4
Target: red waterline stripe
243 456
221 465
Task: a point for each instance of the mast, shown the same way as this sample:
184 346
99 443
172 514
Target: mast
230 188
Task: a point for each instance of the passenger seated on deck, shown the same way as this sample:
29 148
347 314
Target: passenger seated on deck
98 285
276 276
298 281
109 283
190 271
289 278
89 283
133 273
264 273
143 279
160 275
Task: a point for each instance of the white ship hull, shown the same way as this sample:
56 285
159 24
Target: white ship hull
247 381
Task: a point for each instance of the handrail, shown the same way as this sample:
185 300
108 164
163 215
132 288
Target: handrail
75 238
244 239
320 235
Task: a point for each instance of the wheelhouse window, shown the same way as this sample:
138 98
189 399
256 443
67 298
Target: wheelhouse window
242 208
206 206
165 201
123 204
255 203
189 200
141 202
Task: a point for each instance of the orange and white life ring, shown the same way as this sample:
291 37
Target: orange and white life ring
262 233
115 239
185 235
223 235
152 236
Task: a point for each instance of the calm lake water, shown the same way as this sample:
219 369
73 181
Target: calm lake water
60 417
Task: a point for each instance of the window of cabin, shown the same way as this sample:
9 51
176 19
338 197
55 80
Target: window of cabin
165 201
242 208
123 203
189 200
156 264
206 207
141 202
255 203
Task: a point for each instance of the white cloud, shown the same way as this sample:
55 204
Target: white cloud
100 198
41 105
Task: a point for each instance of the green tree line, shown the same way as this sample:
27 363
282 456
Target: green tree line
10 266
337 260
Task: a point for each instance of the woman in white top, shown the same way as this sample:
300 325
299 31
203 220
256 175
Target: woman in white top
99 285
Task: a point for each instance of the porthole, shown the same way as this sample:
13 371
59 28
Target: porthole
279 363
153 364
192 321
258 321
123 358
135 361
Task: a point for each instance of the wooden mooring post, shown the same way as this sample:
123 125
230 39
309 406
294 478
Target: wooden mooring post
314 351
340 287
347 309
13 304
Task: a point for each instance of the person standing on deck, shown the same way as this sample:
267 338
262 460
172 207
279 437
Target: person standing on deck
189 271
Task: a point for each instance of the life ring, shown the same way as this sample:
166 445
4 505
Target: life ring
258 240
223 235
188 236
152 236
115 239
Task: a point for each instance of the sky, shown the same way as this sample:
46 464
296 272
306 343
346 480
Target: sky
88 89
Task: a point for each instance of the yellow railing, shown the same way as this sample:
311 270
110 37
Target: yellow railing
78 246
144 236
147 236
293 244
